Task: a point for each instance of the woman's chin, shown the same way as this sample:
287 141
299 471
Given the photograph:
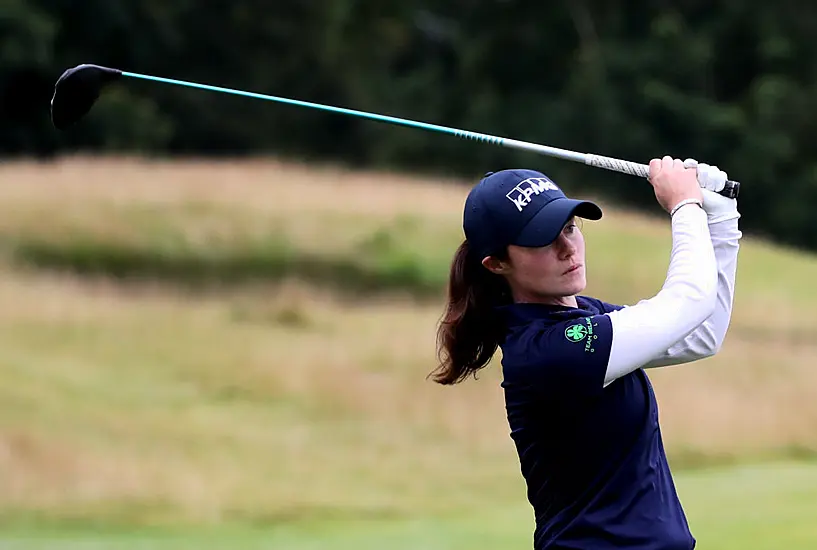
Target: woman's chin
575 282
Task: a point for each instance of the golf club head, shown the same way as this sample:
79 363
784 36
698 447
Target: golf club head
77 90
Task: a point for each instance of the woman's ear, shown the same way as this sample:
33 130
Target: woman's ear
495 265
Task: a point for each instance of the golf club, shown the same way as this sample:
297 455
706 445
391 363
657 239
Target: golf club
78 88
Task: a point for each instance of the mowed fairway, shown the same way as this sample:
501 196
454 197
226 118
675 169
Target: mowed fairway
256 377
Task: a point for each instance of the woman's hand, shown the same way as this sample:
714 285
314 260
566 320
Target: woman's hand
673 183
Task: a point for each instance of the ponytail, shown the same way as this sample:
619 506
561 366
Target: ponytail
470 332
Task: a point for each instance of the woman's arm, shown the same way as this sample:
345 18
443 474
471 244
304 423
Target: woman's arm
642 332
706 340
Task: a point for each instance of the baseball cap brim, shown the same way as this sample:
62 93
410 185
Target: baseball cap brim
546 224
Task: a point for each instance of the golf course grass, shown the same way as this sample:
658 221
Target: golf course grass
759 507
234 355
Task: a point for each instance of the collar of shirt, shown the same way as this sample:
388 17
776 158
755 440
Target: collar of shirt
515 315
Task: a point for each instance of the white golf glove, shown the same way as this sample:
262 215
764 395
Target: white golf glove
712 179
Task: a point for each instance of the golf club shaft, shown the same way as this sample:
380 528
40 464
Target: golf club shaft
597 161
601 162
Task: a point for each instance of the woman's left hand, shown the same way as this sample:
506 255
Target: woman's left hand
712 179
709 177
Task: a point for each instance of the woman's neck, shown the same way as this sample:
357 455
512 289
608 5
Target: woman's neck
566 301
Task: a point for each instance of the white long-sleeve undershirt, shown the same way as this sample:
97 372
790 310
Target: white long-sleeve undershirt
688 318
706 340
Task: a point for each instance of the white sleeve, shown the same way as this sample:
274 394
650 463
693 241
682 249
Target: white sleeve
688 297
707 339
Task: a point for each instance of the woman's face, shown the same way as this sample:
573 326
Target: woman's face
550 274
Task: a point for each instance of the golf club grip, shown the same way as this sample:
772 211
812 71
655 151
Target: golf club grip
730 190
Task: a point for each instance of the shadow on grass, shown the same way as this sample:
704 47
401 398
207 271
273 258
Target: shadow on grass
194 267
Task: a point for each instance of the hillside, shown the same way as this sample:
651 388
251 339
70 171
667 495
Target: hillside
236 374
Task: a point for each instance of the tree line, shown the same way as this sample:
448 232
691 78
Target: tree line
728 83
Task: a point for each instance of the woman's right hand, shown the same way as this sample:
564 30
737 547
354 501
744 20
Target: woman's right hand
673 183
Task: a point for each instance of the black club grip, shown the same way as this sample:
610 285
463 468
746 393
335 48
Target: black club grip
731 189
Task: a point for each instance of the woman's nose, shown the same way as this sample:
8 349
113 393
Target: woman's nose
565 247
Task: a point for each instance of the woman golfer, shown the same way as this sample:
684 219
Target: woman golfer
581 410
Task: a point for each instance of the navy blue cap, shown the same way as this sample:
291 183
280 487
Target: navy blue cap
519 207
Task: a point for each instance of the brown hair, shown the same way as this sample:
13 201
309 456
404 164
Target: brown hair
469 332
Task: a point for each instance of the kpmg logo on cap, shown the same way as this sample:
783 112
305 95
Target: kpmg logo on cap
522 193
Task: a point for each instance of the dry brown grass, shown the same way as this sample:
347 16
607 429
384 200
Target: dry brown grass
256 188
223 405
267 400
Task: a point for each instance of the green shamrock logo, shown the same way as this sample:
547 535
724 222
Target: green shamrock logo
576 333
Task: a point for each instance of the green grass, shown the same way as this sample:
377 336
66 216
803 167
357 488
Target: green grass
765 507
367 270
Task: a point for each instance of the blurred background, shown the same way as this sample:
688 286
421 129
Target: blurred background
217 314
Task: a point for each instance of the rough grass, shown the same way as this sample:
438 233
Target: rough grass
295 396
195 227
